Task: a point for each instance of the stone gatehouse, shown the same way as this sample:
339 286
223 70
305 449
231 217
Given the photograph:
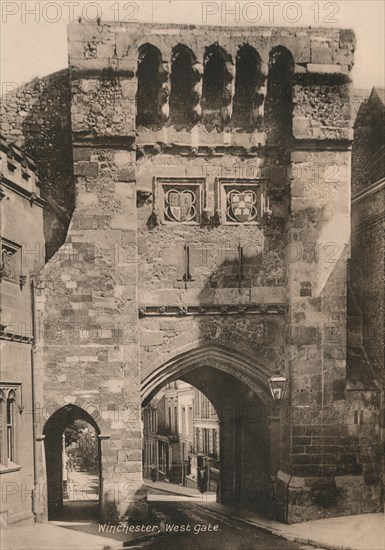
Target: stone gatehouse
200 198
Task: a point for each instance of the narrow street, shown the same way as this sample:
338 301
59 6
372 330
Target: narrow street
82 486
180 518
191 526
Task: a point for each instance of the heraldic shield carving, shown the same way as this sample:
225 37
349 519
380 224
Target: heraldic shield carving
241 205
180 205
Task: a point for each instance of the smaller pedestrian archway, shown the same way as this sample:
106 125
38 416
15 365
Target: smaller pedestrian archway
72 451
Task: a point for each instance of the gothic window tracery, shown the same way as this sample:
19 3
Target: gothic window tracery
8 424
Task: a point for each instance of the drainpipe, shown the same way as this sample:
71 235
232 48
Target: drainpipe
291 474
382 442
288 411
33 388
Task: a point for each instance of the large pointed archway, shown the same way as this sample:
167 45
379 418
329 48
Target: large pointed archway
241 366
238 389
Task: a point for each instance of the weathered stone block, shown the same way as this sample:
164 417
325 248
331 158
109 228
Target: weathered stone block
301 127
103 110
106 50
127 174
297 188
299 47
299 69
323 68
151 338
87 169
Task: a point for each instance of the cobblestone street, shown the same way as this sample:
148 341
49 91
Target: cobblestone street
192 527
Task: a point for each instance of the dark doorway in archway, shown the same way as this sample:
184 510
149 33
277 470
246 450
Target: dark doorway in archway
242 466
72 450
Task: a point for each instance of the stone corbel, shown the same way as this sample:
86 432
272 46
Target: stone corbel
210 218
266 211
228 92
32 198
11 164
25 174
153 221
198 70
143 197
22 281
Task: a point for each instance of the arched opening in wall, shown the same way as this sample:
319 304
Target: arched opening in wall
213 90
247 98
72 449
181 441
221 448
149 78
182 82
279 101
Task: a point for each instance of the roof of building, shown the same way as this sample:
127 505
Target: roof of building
378 93
15 152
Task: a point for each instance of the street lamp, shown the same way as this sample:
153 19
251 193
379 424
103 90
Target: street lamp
277 384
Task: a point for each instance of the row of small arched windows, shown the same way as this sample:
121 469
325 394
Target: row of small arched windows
215 93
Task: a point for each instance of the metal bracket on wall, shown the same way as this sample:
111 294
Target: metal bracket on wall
187 277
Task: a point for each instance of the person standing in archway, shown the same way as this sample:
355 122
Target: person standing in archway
153 473
202 479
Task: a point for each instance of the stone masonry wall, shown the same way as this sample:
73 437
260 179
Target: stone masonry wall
123 261
36 116
21 223
86 306
327 440
368 230
214 268
368 257
368 249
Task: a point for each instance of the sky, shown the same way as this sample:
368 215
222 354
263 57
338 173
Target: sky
34 42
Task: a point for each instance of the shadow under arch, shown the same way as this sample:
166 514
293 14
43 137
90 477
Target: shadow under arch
237 387
53 432
278 119
247 93
216 76
225 359
150 77
182 79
